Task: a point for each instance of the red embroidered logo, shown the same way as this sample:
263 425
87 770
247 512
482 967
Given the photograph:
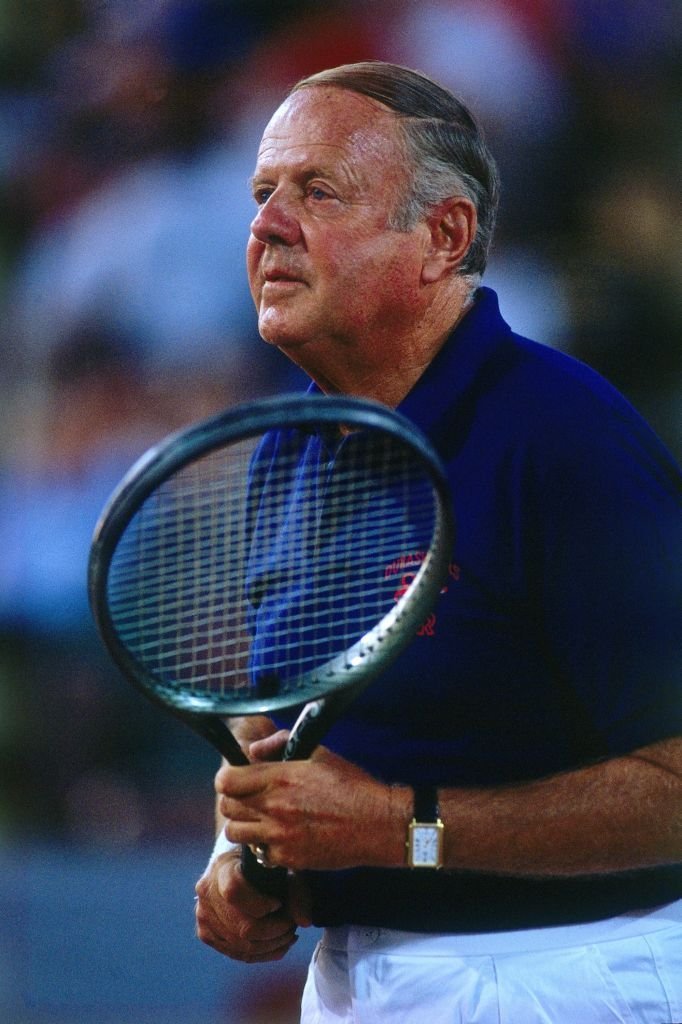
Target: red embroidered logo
414 560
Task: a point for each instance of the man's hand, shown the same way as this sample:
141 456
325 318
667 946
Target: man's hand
321 814
242 923
233 917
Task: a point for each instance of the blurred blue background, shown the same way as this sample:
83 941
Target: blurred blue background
128 129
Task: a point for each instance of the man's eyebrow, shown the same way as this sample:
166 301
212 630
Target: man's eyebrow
304 173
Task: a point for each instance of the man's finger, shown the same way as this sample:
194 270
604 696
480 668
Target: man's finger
249 950
243 781
270 748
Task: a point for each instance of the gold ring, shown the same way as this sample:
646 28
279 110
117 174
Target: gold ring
260 852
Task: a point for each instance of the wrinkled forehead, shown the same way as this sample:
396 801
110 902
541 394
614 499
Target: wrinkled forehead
334 119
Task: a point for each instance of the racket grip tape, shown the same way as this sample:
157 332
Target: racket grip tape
269 881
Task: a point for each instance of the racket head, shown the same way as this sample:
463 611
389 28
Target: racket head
171 575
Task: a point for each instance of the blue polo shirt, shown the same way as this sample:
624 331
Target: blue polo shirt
558 638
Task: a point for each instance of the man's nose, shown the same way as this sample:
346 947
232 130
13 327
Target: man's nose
276 223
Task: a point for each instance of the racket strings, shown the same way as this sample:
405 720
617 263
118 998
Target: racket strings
235 577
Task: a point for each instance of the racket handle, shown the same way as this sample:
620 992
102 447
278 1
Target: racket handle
270 881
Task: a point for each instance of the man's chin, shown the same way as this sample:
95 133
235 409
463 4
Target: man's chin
281 335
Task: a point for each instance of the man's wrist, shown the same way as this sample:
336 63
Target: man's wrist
222 845
399 816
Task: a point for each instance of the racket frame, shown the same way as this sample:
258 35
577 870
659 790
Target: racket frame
353 668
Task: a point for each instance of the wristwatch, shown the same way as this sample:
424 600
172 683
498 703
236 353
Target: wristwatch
425 831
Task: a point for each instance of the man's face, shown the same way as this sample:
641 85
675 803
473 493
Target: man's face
326 273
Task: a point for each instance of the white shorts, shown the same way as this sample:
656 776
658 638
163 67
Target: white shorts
626 969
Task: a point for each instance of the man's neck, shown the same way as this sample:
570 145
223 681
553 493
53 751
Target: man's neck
388 370
388 378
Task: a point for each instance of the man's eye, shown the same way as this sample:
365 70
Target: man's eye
317 192
261 195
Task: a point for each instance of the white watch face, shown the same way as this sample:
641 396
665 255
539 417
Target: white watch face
425 845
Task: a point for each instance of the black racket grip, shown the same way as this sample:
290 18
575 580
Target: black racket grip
270 881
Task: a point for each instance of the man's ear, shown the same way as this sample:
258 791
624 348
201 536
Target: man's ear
452 227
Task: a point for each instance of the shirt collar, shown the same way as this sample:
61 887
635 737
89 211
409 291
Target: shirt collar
473 346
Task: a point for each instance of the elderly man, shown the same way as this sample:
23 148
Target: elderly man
547 735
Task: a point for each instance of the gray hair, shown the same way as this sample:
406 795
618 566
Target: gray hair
444 144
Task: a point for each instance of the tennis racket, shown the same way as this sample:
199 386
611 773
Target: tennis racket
248 564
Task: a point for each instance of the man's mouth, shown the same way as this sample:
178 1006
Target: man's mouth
281 277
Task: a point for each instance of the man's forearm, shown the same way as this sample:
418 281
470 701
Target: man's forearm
328 814
617 815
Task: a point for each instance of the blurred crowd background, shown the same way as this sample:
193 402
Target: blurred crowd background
128 130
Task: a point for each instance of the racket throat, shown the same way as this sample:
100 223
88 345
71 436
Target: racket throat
313 722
